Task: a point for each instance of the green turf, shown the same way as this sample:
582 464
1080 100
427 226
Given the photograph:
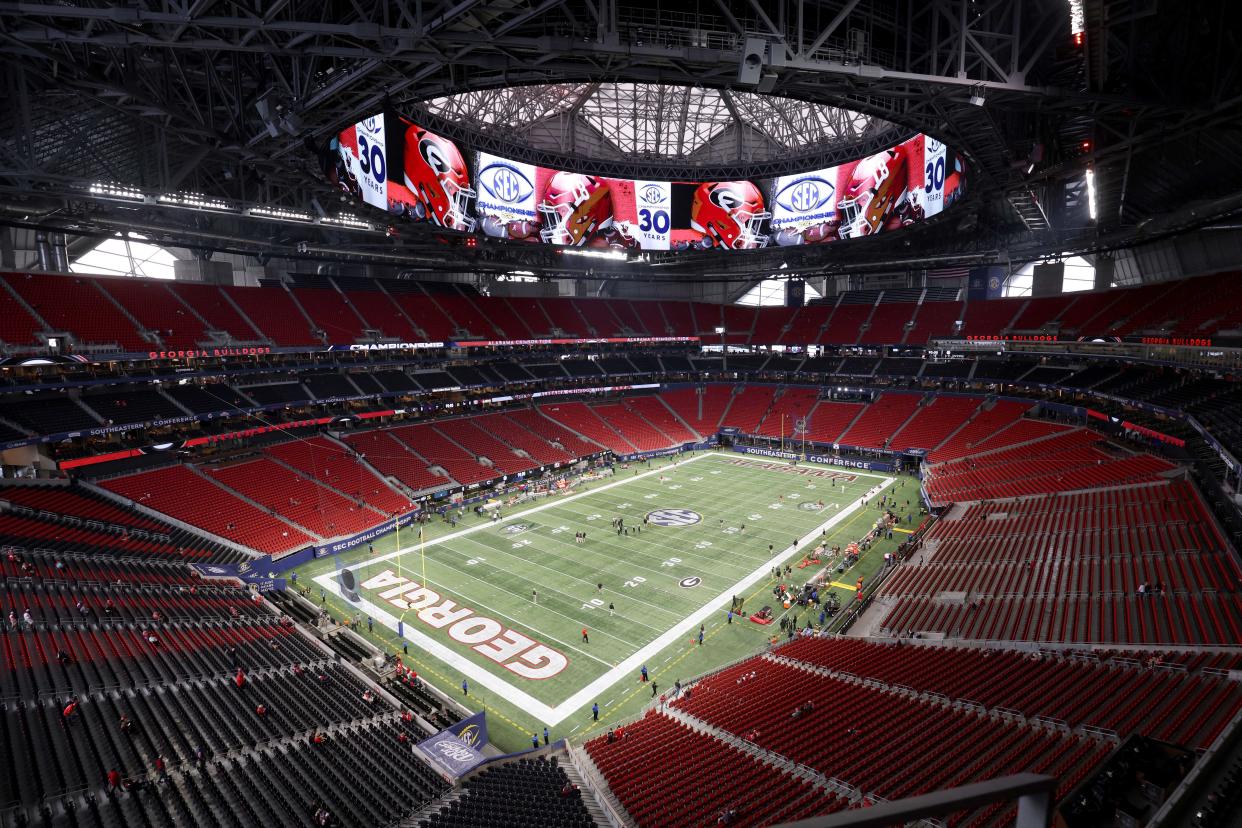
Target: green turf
493 567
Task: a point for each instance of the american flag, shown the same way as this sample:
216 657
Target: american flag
949 272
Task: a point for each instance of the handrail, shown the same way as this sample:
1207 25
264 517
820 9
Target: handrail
1034 793
602 793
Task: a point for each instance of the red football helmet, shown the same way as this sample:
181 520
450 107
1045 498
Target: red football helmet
875 190
574 208
436 175
729 214
620 236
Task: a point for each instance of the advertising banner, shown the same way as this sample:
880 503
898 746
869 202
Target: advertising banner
371 534
459 748
824 459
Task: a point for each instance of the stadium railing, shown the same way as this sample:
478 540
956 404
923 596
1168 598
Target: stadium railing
1032 791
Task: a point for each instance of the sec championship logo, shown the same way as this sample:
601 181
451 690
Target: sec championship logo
673 517
469 735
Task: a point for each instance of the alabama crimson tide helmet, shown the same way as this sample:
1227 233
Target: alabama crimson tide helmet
876 188
574 208
729 214
436 175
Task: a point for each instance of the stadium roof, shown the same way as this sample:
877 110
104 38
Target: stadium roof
621 121
233 101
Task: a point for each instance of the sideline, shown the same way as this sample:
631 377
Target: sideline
548 714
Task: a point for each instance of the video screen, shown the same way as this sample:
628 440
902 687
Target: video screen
396 165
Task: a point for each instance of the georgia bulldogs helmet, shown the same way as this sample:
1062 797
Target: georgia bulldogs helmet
574 208
436 174
875 192
520 229
620 236
729 214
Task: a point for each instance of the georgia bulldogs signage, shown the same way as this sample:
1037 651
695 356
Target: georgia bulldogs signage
509 648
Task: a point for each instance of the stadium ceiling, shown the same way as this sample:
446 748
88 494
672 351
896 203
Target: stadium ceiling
233 101
639 129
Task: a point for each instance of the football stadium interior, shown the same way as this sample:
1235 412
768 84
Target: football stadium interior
504 413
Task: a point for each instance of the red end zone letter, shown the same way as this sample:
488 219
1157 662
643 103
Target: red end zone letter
504 646
541 662
444 614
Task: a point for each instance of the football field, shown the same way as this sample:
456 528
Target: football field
504 604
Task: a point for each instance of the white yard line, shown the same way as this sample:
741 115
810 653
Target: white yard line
551 502
629 667
555 715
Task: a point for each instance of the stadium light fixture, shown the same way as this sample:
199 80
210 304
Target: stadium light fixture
279 213
1078 21
102 188
346 220
195 201
596 254
1091 193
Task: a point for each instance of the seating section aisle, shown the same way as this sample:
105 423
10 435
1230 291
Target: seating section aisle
985 424
158 309
19 326
392 457
844 327
211 304
482 444
183 494
934 422
438 450
790 409
880 741
76 304
579 418
506 428
382 314
633 427
1120 694
1167 619
933 319
686 401
1070 459
888 323
549 429
654 411
335 465
881 420
272 309
73 304
750 404
654 793
140 679
830 419
526 793
294 497
1137 565
330 312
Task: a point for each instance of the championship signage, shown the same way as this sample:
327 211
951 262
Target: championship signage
459 748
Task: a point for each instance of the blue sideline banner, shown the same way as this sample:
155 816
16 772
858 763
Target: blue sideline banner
823 459
780 454
849 463
668 452
458 749
371 534
245 572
